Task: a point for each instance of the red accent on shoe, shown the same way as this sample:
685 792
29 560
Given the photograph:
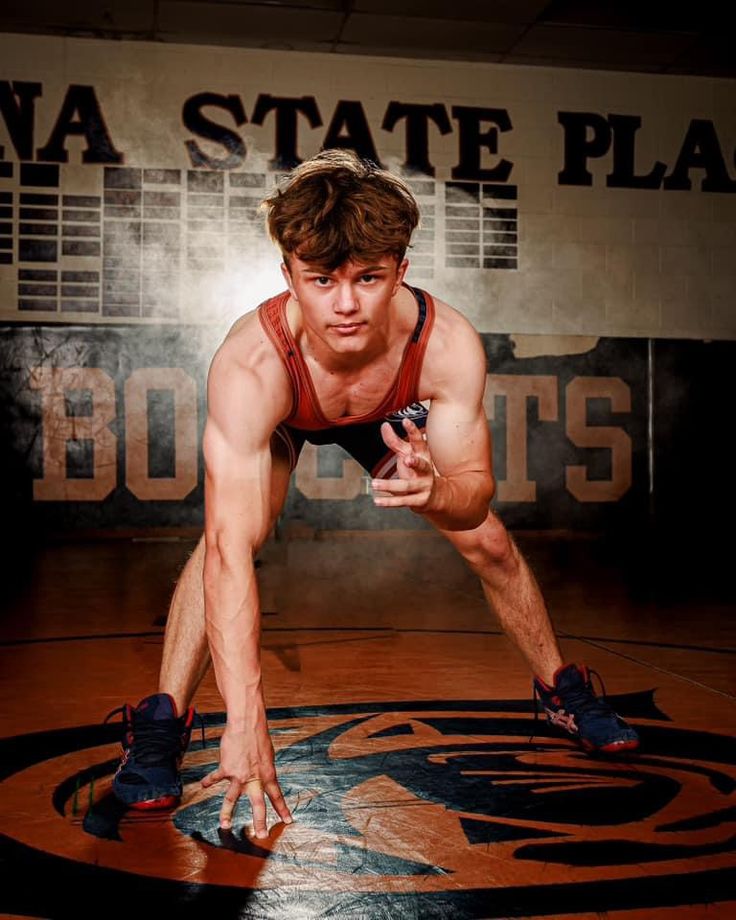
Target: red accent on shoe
578 667
619 746
550 687
166 801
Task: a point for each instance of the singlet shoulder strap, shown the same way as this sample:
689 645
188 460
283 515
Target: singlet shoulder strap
272 314
411 368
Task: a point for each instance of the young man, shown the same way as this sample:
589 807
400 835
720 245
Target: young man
313 363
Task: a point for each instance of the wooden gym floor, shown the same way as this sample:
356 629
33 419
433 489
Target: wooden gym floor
401 720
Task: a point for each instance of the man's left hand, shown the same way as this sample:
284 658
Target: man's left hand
415 481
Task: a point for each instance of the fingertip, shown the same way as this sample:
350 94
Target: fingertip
285 814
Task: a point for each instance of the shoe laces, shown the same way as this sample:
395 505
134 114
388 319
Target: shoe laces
579 701
583 701
200 719
153 740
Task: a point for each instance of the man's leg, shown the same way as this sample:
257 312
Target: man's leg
186 655
513 593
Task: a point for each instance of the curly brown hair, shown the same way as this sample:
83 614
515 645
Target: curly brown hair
336 207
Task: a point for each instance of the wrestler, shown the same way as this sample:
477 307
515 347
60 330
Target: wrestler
348 353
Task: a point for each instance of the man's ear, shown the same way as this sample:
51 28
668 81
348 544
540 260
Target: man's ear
400 274
288 279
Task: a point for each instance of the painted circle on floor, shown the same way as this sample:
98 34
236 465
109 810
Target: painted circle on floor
405 809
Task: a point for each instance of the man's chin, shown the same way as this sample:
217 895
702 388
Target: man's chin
357 340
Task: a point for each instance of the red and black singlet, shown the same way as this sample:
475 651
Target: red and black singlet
306 413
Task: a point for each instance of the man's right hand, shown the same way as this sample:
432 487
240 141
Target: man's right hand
247 762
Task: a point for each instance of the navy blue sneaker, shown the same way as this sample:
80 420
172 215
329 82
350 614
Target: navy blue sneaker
571 705
154 741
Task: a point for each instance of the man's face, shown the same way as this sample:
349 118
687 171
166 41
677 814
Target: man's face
346 307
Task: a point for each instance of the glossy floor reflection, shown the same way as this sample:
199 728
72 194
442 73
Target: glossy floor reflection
401 719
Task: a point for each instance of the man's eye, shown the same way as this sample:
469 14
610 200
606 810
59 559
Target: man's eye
322 280
367 277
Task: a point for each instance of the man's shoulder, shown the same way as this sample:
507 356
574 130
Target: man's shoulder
454 354
247 381
452 330
247 350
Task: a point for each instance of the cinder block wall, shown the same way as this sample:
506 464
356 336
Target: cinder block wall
580 219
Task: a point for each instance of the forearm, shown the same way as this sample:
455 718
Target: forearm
460 501
233 621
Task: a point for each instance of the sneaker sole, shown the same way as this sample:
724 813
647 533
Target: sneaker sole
620 746
615 748
167 801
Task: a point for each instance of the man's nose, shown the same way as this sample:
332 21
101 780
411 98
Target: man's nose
346 301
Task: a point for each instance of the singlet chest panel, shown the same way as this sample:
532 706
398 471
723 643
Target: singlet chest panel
339 395
325 400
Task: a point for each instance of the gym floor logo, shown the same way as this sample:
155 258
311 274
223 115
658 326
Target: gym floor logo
424 809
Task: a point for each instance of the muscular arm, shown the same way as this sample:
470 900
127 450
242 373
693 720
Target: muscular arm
458 438
245 403
241 418
448 479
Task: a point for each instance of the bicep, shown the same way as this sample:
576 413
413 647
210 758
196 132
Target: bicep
458 437
240 421
457 428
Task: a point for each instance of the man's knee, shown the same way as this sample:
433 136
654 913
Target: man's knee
487 546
